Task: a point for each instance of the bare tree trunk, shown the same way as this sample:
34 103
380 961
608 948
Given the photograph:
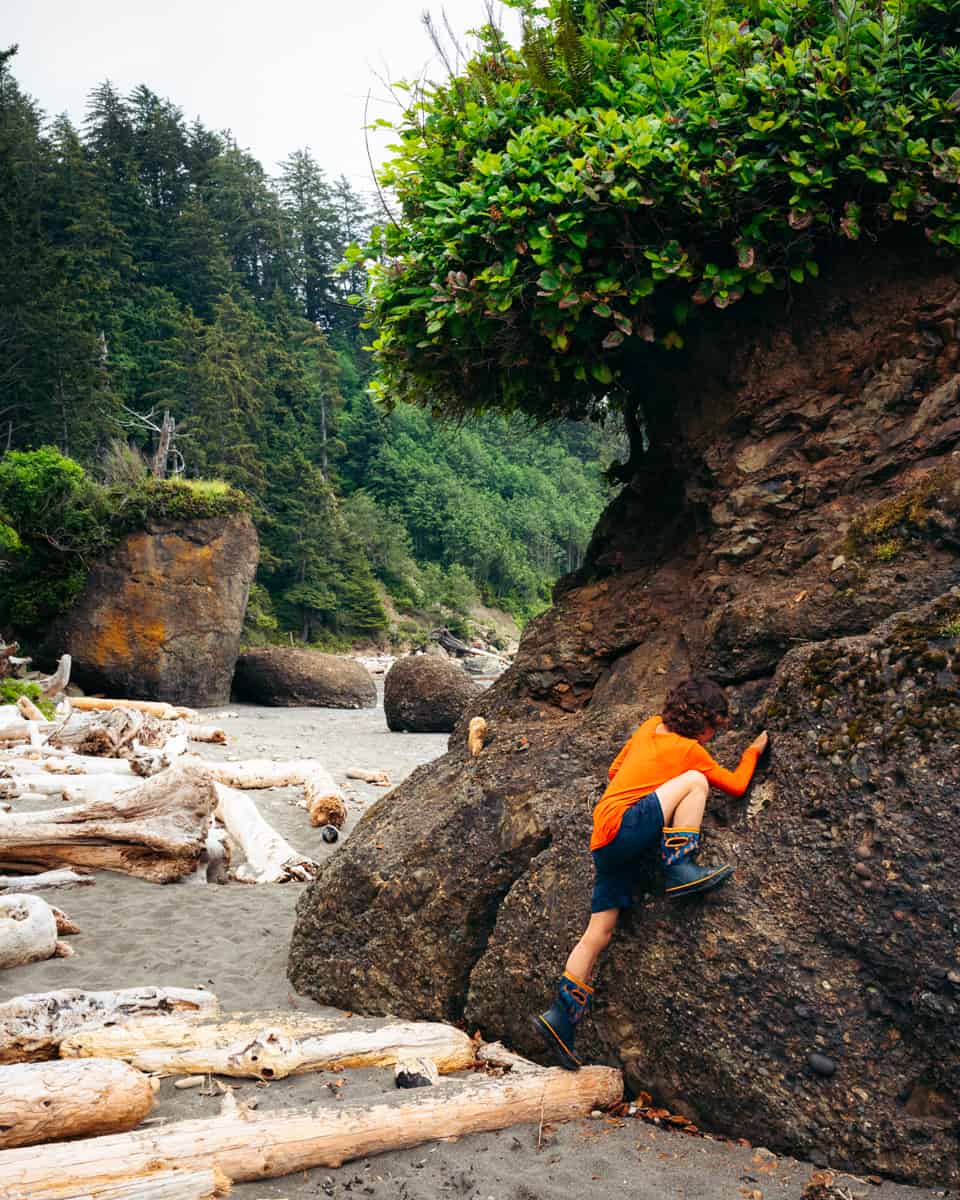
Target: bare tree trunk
207 1183
271 1045
248 1145
156 830
33 1026
50 1101
168 427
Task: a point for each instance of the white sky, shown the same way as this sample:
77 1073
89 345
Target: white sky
281 75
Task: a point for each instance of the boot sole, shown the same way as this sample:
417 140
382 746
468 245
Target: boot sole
707 884
555 1044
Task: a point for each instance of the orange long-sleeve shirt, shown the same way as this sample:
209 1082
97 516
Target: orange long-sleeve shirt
647 761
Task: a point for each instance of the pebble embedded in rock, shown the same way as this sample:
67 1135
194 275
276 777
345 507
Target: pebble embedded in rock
821 1065
330 833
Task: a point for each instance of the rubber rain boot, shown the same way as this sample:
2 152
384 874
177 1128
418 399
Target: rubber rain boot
558 1025
681 877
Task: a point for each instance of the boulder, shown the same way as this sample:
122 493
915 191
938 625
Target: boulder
811 1004
482 664
161 617
285 676
423 694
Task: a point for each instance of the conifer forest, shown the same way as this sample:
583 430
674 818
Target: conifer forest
153 270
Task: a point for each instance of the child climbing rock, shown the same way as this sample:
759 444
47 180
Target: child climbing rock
658 790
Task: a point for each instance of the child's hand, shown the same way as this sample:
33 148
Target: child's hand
759 743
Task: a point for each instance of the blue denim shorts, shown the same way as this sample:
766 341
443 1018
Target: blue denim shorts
616 863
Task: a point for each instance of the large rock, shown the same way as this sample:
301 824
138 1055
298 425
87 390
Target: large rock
796 532
285 676
161 617
423 694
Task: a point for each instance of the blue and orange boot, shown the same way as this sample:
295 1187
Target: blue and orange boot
681 877
558 1025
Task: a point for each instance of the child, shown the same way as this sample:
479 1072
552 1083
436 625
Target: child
658 790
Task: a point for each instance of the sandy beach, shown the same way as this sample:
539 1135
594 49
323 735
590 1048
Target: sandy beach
232 940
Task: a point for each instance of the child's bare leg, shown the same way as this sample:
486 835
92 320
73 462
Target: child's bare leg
683 800
583 957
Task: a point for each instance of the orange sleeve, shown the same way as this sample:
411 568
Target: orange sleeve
618 761
734 783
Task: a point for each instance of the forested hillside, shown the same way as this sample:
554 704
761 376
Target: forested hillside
151 265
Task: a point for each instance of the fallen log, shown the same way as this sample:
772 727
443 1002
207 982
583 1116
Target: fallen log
206 733
270 859
26 731
44 880
156 830
380 778
248 1146
156 708
210 1183
271 1045
49 1101
257 774
33 1026
28 930
324 807
28 710
54 685
103 735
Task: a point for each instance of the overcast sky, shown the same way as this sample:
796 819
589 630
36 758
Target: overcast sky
281 74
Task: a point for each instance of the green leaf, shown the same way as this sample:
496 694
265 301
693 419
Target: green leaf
601 373
877 175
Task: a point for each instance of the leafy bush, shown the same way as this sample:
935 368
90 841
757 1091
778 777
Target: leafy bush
567 207
12 689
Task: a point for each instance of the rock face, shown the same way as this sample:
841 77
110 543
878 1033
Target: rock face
423 694
161 617
287 676
795 533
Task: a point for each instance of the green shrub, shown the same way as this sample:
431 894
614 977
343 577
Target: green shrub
12 689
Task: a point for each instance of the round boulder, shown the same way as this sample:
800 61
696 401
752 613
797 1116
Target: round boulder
287 676
423 694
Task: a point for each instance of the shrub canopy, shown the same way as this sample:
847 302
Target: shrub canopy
567 205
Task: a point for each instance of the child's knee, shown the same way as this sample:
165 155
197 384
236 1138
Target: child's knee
697 781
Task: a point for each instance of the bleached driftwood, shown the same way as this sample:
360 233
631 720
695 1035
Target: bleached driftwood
53 685
246 1145
150 760
380 778
208 1183
155 830
64 924
85 764
33 1026
270 859
49 1101
104 735
323 802
156 708
28 930
26 731
477 735
206 733
271 1045
28 710
255 774
43 880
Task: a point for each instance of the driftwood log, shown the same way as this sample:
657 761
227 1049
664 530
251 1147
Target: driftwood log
33 1026
28 930
43 881
255 774
247 1145
155 830
50 1101
156 708
380 778
271 1045
28 710
209 1183
270 859
54 685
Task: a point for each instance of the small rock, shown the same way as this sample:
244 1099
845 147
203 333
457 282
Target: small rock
838 563
821 1065
330 833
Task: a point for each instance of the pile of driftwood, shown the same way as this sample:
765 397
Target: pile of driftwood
112 1048
127 792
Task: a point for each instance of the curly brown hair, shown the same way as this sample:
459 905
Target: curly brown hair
693 705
